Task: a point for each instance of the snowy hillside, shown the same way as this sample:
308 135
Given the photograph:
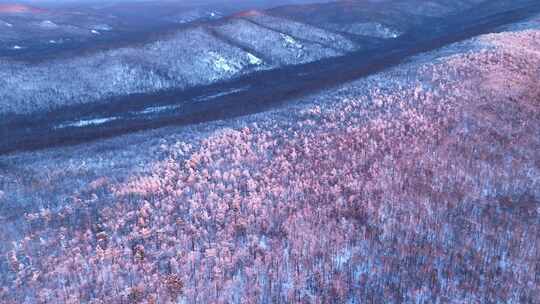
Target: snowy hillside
188 58
197 55
278 47
88 55
419 184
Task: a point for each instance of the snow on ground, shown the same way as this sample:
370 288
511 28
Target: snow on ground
194 15
220 94
86 123
5 24
157 110
261 42
370 29
220 64
190 57
102 27
187 58
279 47
48 25
304 31
254 60
291 42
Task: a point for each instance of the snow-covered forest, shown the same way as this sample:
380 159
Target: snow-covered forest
420 184
188 58
205 47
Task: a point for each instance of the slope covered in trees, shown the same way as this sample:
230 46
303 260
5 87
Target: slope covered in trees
419 184
187 58
99 59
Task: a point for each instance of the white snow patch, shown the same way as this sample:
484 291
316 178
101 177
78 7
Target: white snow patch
103 27
183 21
17 47
156 110
342 258
95 32
254 60
372 29
4 23
222 64
290 41
214 14
48 24
86 122
263 243
221 94
56 41
194 15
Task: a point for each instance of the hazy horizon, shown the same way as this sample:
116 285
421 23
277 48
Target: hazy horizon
186 2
